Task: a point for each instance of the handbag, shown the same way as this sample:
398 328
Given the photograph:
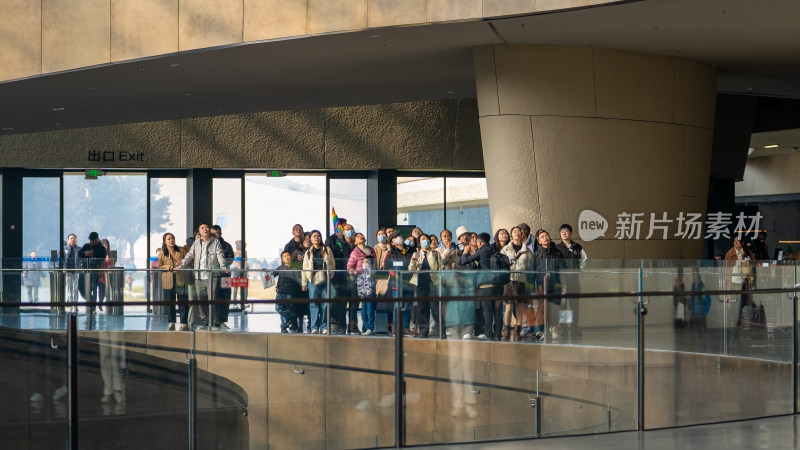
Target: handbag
680 311
267 280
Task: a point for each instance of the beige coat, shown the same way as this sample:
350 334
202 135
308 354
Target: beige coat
171 261
308 266
434 260
520 261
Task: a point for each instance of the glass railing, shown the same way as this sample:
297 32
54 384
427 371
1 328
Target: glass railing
318 358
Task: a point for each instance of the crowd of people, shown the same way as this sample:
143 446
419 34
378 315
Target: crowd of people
492 274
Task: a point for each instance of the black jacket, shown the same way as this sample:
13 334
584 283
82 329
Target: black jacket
96 261
341 254
483 257
572 254
227 253
288 281
548 260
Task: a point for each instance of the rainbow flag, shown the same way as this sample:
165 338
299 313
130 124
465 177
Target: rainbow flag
337 227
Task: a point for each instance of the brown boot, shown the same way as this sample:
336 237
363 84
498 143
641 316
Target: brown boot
506 333
517 331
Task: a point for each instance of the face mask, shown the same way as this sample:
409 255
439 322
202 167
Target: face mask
349 234
424 243
399 240
407 242
461 246
381 238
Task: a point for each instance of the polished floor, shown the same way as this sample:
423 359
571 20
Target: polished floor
769 433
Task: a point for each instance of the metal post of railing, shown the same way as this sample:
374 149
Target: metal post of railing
211 295
193 401
794 346
328 294
537 410
72 379
399 383
608 409
640 312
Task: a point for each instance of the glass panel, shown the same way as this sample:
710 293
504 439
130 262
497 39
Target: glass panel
227 209
468 204
349 198
40 214
420 201
167 211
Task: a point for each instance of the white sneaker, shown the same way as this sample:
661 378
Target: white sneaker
224 326
363 405
37 397
367 333
467 336
59 393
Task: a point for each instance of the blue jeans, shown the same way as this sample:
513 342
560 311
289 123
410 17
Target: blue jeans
368 315
319 311
285 310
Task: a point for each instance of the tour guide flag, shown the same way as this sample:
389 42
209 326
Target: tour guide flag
337 227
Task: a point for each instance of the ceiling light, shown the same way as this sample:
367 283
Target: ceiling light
58 109
375 36
8 128
450 92
174 65
771 146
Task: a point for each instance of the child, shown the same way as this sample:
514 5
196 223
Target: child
365 286
288 286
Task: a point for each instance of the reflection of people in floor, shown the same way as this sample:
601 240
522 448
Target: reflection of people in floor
32 279
463 394
112 361
698 306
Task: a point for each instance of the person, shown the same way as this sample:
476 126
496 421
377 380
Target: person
679 299
241 265
155 278
93 254
31 279
343 282
398 259
295 245
530 241
317 262
104 280
698 305
759 247
354 266
287 287
547 263
448 253
520 257
480 251
174 285
70 258
380 251
302 309
738 260
425 260
204 256
223 309
365 287
195 315
574 257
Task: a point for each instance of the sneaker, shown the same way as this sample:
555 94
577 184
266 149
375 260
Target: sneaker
171 327
314 331
325 331
367 333
215 328
59 393
481 336
184 327
408 332
467 336
554 333
37 397
201 328
224 326
107 398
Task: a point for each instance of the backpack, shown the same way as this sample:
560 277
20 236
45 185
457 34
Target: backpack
500 262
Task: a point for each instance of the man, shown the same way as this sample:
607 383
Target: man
222 310
70 260
203 256
32 279
343 287
93 254
760 247
574 256
295 246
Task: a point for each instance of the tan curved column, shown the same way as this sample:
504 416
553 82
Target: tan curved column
566 129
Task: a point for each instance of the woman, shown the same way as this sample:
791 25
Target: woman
174 284
354 267
698 306
434 242
501 238
240 266
317 262
380 251
398 259
520 257
679 299
423 261
547 261
302 309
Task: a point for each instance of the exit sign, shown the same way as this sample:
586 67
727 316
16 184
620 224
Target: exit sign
276 173
92 174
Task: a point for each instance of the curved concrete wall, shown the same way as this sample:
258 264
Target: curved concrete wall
45 36
571 128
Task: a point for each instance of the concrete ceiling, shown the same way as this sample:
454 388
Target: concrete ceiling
763 144
754 44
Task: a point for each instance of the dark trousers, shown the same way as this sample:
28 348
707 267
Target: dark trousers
424 308
492 311
180 295
223 309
